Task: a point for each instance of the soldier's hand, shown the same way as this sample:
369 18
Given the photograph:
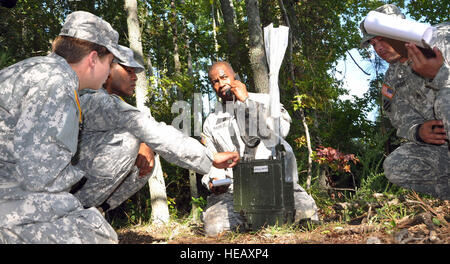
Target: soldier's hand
224 160
145 160
433 132
218 189
240 90
425 67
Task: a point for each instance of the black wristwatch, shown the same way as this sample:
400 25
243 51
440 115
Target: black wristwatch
418 138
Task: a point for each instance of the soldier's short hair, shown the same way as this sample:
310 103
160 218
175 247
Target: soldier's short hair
74 49
221 63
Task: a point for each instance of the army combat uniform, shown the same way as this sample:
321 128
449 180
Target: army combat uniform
409 100
109 143
40 116
221 133
112 176
39 120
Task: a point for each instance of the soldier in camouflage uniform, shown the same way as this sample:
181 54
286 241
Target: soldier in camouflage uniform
416 98
219 134
39 123
111 137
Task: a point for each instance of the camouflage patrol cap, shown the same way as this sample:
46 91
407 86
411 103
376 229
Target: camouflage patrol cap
388 9
128 59
86 26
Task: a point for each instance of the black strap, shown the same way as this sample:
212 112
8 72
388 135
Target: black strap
105 206
77 186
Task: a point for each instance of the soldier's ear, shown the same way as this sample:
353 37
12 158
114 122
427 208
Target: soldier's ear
92 58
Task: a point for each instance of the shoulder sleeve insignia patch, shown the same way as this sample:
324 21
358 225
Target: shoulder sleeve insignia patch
203 139
387 91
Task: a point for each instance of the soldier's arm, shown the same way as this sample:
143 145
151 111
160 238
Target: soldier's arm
442 78
145 160
403 117
214 173
109 112
171 144
432 132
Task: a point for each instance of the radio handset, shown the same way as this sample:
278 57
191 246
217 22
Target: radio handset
229 93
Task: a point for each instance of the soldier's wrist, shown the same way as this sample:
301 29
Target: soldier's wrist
417 135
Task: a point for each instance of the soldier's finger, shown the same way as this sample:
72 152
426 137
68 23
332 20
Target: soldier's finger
434 138
439 135
439 55
439 130
231 165
435 122
139 162
436 142
411 54
415 54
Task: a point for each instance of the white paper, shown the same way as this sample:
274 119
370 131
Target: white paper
275 41
221 182
393 27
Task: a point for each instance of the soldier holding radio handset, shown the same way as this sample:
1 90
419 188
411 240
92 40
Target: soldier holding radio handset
227 130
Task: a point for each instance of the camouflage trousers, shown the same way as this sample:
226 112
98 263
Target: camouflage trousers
111 174
50 218
219 215
422 168
442 108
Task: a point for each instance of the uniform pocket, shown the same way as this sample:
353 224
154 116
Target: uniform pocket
105 158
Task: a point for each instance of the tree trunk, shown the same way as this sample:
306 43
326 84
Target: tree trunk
160 209
257 54
192 173
289 12
308 144
176 54
158 196
134 36
233 39
195 213
302 113
214 23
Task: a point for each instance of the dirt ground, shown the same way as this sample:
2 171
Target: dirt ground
429 226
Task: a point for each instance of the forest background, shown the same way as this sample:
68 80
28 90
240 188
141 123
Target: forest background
339 150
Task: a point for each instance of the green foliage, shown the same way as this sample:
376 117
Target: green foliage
134 211
431 11
5 60
200 202
172 207
27 29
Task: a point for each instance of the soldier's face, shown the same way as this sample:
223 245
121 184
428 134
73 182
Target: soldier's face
101 71
221 78
385 50
121 80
